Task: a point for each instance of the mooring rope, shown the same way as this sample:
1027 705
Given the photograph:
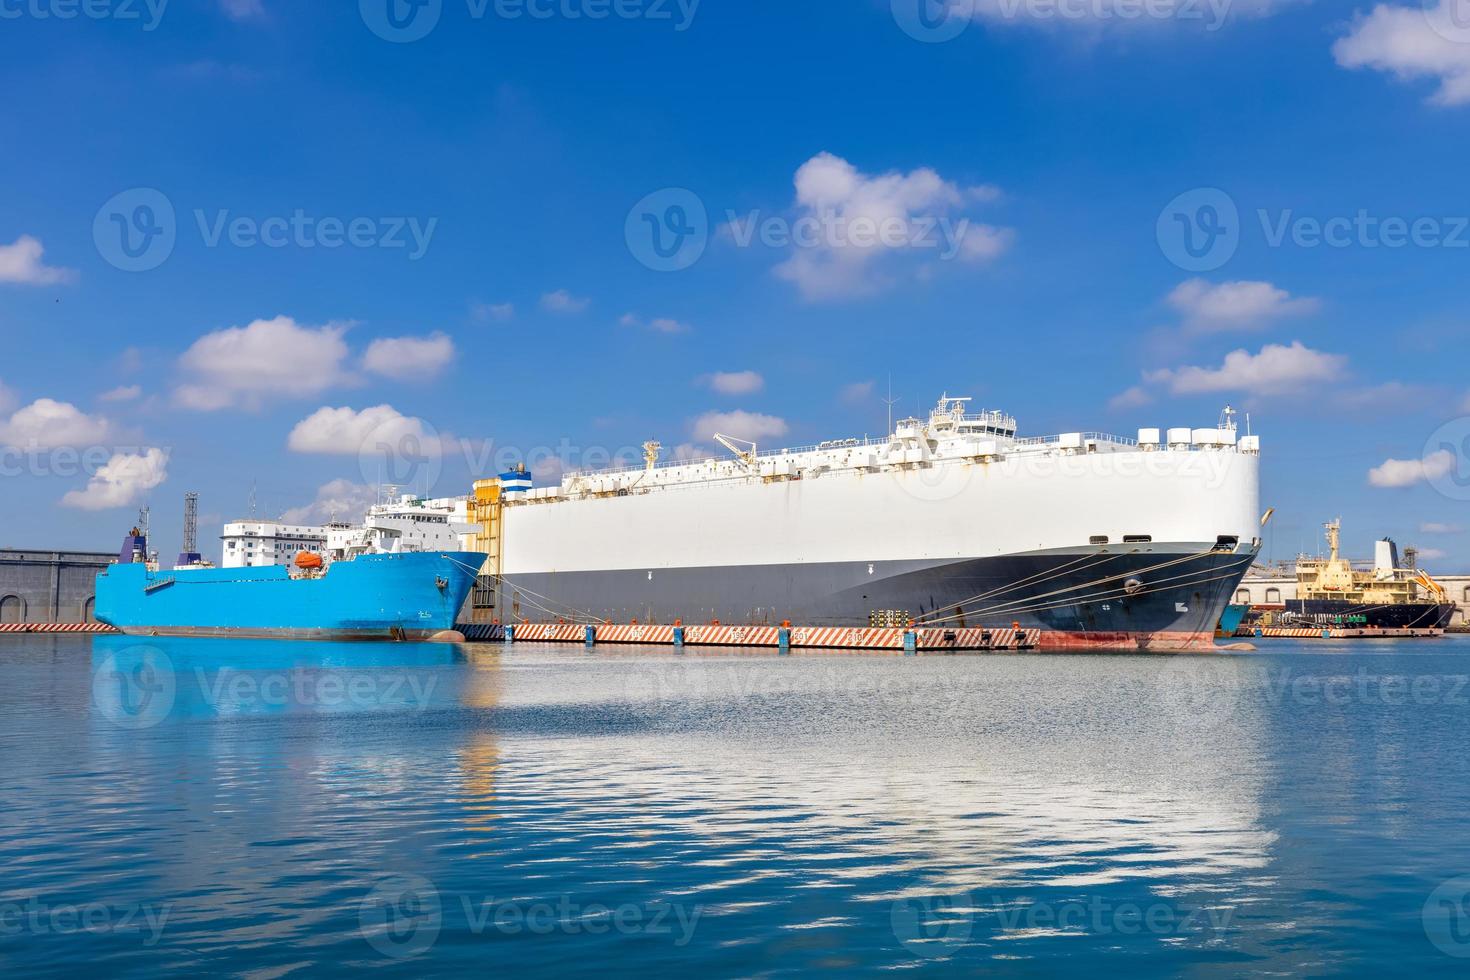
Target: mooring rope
1073 588
502 580
1070 588
1035 603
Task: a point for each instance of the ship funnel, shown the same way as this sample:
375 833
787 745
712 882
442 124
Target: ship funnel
1385 555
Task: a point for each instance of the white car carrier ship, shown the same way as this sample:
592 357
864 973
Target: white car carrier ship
954 521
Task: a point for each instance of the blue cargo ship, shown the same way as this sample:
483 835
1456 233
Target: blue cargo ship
412 595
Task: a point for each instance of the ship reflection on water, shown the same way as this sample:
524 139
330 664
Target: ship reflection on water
139 682
435 807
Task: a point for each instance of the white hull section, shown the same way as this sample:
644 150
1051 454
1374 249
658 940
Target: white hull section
940 510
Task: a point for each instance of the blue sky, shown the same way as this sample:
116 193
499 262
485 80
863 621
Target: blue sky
1037 172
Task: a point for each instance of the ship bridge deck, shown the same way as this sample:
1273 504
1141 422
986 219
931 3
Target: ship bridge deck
949 437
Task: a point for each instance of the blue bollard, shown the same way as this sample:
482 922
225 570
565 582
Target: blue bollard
783 639
678 637
510 634
591 636
910 643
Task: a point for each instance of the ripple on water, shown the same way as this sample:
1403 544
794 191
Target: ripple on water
553 811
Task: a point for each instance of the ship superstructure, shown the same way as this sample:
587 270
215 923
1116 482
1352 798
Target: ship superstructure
1335 591
400 523
403 524
955 519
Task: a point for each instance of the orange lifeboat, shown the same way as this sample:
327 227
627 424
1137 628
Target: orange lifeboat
308 559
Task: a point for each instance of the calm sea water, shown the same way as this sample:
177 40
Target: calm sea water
268 809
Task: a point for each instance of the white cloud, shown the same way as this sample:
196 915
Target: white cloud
8 398
202 398
20 262
1435 527
1411 43
409 358
734 382
848 220
562 301
122 393
1432 554
856 393
1135 397
1275 369
1407 472
1235 305
242 9
46 423
751 426
278 358
1389 394
486 312
340 500
981 243
345 431
657 324
122 480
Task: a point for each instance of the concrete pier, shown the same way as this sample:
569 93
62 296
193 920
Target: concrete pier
783 639
49 587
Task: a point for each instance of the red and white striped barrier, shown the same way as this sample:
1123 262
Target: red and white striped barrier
551 632
848 637
800 637
636 633
732 636
977 639
56 628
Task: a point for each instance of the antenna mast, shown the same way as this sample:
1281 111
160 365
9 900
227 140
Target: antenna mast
191 520
890 401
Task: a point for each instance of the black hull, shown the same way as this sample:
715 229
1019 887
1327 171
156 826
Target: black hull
1170 596
1335 612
